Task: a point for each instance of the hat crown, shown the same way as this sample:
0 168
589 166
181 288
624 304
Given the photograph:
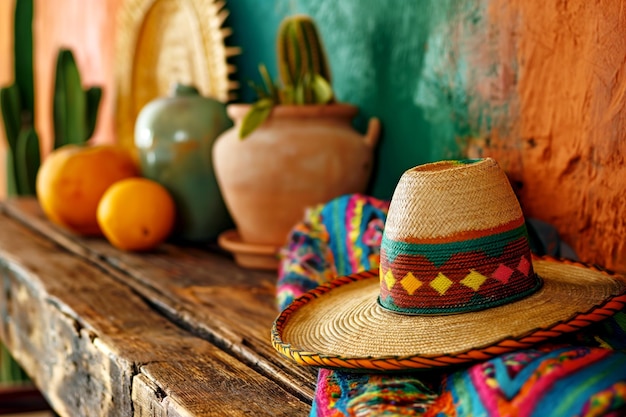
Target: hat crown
454 241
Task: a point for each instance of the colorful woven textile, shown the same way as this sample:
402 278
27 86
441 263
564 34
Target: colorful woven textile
353 394
337 238
582 375
548 381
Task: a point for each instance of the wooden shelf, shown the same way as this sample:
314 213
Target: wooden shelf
178 331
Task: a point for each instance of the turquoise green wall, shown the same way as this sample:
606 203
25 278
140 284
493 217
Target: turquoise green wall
388 57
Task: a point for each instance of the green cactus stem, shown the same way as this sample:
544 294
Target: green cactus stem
75 110
93 95
23 54
17 103
11 106
300 51
27 158
11 179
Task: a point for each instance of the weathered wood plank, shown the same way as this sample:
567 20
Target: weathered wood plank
201 289
228 392
89 341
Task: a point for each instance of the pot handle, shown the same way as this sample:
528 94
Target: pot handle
373 132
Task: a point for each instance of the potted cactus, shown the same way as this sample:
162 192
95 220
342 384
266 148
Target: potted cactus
75 113
17 102
294 148
304 73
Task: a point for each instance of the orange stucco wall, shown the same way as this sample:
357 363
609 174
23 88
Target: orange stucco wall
565 142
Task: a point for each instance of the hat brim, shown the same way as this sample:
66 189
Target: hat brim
341 324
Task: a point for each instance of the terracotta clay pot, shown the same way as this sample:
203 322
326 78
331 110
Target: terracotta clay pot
299 157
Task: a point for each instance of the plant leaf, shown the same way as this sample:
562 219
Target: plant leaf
298 94
259 112
287 95
322 90
259 90
269 84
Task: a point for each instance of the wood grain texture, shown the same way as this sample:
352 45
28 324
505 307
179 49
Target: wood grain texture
96 347
201 290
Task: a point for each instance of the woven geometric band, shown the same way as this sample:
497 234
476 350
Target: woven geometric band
457 276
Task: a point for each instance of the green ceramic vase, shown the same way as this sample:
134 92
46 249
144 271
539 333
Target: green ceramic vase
174 139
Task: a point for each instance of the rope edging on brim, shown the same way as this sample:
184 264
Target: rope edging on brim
391 363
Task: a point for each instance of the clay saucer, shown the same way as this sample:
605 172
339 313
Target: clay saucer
249 255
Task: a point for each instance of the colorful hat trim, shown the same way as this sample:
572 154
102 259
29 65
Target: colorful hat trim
427 362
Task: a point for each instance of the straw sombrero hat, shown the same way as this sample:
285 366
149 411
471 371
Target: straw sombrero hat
457 283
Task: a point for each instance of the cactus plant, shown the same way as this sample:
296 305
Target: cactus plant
303 69
11 112
18 110
27 157
75 110
301 61
23 44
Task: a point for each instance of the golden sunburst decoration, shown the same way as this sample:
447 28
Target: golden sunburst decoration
162 42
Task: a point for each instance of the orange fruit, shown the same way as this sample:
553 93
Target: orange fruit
72 179
136 214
